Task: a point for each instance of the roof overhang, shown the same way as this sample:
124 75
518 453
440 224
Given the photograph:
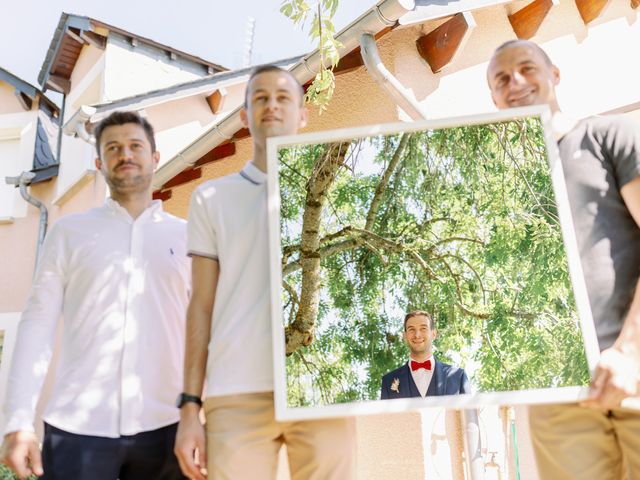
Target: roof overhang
73 32
27 93
379 18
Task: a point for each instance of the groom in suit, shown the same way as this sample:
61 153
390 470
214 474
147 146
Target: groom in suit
422 375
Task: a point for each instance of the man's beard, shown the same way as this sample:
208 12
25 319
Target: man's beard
131 184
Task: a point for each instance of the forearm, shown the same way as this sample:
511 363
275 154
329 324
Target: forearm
196 349
205 273
32 352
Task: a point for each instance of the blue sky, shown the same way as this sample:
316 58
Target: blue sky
212 29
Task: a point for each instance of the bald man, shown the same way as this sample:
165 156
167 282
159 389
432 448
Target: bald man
601 162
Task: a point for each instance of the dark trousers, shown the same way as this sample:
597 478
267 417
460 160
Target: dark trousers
144 456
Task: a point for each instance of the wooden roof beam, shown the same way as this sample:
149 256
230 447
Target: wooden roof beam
526 21
223 150
162 195
95 39
24 100
185 176
59 84
590 9
216 100
74 36
440 46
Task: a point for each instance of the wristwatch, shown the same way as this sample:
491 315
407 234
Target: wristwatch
184 398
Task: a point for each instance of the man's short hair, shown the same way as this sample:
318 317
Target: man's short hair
514 42
271 68
121 118
418 313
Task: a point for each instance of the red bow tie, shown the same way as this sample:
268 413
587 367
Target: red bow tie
418 365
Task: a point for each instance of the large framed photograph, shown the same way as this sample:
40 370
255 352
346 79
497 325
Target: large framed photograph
465 220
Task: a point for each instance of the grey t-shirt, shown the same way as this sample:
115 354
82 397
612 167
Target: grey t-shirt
599 156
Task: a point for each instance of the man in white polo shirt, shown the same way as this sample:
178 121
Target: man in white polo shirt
119 276
228 321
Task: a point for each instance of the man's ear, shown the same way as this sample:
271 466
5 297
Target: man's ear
243 117
156 159
555 72
98 164
304 117
494 100
434 333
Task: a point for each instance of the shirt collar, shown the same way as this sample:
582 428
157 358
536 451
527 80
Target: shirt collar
253 174
114 207
561 124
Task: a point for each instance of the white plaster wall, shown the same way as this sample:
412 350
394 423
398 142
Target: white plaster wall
76 157
132 70
17 143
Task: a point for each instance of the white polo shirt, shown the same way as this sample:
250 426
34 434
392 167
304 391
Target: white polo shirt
228 222
122 287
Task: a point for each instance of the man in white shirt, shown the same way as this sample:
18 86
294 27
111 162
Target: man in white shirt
422 375
229 324
119 276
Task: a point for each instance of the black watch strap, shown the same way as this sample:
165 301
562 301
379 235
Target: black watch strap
184 398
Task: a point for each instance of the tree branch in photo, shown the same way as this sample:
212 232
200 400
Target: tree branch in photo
300 332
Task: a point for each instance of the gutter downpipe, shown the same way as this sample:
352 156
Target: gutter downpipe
384 78
400 96
384 14
22 181
60 123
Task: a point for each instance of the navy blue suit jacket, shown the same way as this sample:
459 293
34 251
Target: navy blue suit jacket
446 380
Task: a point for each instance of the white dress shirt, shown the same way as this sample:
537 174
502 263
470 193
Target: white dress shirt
422 377
121 286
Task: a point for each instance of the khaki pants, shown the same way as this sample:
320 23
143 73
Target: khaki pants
578 443
243 440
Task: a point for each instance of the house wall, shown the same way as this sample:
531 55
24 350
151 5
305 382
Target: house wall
8 100
596 76
17 144
131 70
18 239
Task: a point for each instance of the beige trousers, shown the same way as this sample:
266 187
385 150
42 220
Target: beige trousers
578 443
243 440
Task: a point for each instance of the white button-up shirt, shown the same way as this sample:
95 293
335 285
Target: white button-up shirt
121 286
422 377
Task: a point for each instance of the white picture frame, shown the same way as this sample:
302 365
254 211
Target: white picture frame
529 396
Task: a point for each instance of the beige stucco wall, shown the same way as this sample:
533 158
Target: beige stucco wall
8 101
596 76
89 56
18 240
